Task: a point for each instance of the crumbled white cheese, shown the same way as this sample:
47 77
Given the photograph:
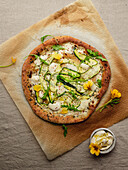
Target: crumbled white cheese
53 67
60 89
68 48
84 66
83 105
41 94
55 106
37 61
35 79
71 66
44 57
93 87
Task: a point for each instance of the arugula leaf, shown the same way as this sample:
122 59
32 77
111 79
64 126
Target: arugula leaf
101 58
36 56
43 38
57 47
73 94
70 107
65 130
99 83
95 54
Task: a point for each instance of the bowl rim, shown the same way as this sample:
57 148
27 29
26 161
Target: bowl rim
114 139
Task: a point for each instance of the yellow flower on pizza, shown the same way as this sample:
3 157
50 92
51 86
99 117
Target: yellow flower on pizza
115 94
56 56
94 149
64 110
88 85
37 87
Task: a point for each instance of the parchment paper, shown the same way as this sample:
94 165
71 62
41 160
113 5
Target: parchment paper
80 20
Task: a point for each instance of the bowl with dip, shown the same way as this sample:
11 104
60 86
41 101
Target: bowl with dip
105 138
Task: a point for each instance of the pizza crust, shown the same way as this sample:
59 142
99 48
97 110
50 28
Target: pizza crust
26 73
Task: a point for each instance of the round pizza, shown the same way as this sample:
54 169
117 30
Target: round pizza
64 79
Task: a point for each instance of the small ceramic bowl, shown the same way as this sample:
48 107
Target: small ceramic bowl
114 140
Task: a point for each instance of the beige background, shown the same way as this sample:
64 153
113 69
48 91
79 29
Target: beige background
18 147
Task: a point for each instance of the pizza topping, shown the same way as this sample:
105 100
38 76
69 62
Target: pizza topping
84 66
57 56
99 83
70 72
53 68
83 105
54 106
35 79
37 62
71 66
41 94
88 85
57 47
60 90
37 87
64 110
79 55
43 57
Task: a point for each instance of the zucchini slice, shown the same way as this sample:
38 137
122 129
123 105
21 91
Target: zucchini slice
91 62
72 73
91 72
43 69
49 59
53 83
80 56
39 100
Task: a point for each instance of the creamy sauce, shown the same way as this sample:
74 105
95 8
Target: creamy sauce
103 139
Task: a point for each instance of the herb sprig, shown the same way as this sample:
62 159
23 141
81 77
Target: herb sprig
65 130
57 47
70 107
115 99
95 54
99 83
111 102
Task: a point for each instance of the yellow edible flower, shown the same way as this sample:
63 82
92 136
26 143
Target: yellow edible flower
115 99
57 56
94 149
64 110
13 62
115 94
37 87
88 85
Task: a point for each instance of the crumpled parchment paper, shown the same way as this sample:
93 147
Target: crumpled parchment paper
82 21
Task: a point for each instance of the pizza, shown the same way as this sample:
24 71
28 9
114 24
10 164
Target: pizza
64 79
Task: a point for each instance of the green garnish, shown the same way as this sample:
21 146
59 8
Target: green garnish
73 94
70 107
95 54
43 38
65 130
57 47
99 83
111 102
101 58
36 56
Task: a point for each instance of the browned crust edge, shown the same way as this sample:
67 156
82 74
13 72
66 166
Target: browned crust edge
26 85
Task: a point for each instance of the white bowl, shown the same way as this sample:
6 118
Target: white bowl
114 140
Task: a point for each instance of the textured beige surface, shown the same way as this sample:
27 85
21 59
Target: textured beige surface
13 128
